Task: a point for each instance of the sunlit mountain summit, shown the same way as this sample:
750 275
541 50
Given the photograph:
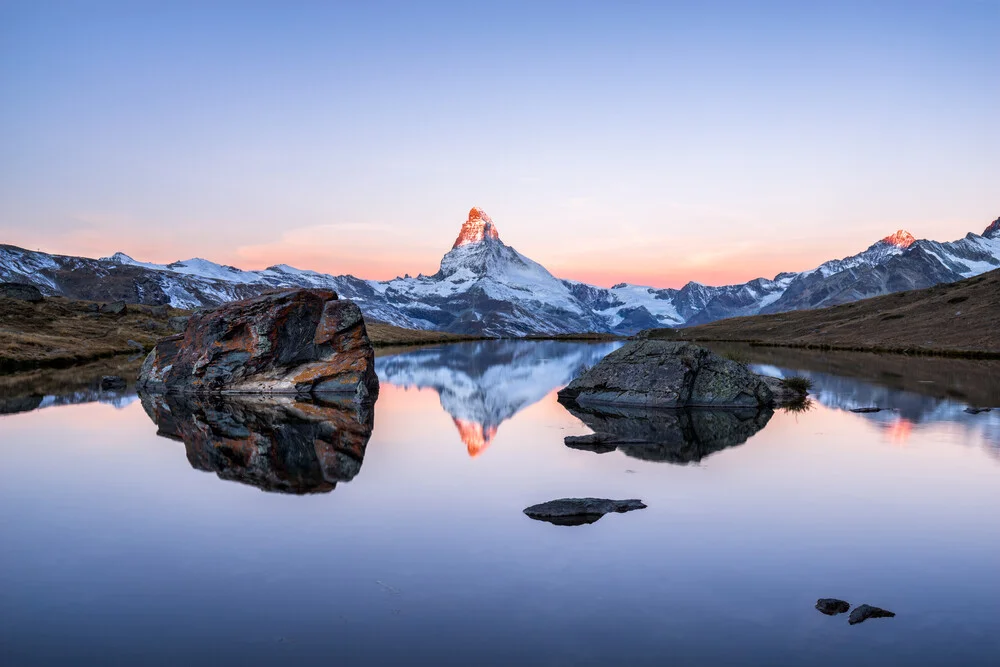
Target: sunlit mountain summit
484 286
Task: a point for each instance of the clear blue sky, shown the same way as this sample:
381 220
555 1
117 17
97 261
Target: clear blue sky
651 142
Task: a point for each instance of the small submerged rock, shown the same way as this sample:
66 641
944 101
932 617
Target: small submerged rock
832 606
866 410
866 611
580 511
976 411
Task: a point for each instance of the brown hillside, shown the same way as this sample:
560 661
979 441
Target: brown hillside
62 332
961 319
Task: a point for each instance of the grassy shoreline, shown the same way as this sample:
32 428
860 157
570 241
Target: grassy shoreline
957 320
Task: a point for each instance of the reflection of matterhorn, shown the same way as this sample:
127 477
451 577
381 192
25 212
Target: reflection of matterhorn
482 384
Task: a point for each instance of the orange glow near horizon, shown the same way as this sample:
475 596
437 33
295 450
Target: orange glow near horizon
378 253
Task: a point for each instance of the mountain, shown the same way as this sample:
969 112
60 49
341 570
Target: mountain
957 318
484 286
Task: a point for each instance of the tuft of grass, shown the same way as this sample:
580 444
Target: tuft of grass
798 383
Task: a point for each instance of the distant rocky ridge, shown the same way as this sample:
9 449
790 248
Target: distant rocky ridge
486 287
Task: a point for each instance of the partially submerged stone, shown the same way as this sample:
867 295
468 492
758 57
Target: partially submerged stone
580 511
976 411
21 292
864 411
864 612
665 374
296 341
832 606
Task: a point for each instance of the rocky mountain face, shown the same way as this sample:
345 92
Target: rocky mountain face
484 286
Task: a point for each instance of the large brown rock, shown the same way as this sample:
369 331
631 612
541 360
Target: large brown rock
665 374
282 342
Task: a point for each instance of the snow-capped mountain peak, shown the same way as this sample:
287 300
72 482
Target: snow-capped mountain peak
119 258
477 228
993 231
901 239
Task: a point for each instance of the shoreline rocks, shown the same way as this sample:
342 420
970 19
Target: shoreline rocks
298 341
580 511
665 374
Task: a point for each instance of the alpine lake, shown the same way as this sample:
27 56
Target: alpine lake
143 530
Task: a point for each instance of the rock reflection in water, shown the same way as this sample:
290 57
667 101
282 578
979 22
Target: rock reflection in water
278 444
673 436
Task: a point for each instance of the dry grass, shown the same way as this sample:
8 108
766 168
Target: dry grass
386 335
959 319
62 332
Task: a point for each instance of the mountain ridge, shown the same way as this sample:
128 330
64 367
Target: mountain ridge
485 287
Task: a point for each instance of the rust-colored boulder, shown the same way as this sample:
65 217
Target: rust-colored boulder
298 341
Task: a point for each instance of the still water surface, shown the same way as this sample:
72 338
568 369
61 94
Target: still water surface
122 546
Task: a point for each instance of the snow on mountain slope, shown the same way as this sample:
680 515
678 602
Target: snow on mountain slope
486 287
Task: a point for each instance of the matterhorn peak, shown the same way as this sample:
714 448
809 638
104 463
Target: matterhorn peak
476 229
901 239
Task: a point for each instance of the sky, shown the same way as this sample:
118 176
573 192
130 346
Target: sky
647 142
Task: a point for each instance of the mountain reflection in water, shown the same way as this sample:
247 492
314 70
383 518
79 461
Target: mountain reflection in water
280 444
485 383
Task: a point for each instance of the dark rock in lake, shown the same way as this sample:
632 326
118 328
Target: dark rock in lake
283 444
594 442
113 383
832 606
665 374
866 611
179 323
976 411
21 292
114 308
287 341
672 436
580 511
866 410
